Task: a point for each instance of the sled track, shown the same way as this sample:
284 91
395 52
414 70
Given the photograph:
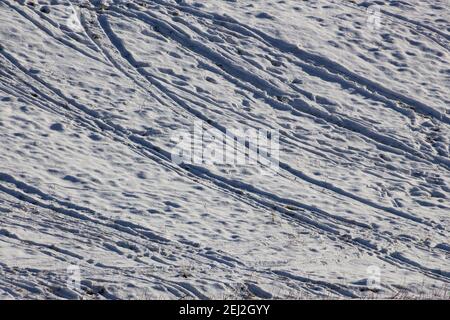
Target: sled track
164 157
109 49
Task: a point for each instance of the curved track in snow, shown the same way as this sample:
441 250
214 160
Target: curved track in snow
88 116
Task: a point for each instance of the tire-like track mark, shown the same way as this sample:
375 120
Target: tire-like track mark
108 31
265 87
117 225
306 222
127 55
65 98
320 63
121 226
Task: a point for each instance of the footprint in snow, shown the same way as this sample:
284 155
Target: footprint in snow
264 15
45 9
57 127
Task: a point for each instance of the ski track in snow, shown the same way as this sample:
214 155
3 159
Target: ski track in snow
86 176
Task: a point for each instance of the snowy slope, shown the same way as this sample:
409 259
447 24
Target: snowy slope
92 94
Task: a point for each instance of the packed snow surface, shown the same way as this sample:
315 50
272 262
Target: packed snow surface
93 205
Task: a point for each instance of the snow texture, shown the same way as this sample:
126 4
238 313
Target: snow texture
92 206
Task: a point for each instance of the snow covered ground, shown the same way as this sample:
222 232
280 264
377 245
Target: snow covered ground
93 205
